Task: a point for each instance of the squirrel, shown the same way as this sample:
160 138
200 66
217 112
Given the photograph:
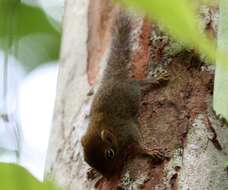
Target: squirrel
113 133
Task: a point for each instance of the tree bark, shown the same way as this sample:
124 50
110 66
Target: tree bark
177 117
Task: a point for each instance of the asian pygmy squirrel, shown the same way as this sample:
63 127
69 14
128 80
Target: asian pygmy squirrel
113 134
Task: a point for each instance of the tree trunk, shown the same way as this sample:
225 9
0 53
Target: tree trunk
176 117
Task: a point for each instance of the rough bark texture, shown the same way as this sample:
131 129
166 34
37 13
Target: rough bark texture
176 117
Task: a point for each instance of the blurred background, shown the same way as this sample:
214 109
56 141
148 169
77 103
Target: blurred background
30 36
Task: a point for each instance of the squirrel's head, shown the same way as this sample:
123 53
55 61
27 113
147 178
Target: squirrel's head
101 151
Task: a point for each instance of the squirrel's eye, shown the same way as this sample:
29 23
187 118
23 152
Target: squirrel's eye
109 154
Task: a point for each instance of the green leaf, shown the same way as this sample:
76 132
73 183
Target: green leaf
22 20
15 177
18 22
180 19
33 20
41 48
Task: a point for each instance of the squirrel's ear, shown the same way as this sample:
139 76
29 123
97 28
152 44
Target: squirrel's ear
108 137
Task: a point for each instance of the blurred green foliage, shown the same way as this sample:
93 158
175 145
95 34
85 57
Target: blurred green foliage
15 177
25 31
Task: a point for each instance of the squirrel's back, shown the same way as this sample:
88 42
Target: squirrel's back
118 95
120 54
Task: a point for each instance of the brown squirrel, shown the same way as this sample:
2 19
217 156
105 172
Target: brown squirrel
113 134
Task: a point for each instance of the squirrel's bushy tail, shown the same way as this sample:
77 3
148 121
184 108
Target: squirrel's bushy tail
120 54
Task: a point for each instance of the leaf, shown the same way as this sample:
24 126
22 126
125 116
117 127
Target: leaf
17 21
15 177
41 48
